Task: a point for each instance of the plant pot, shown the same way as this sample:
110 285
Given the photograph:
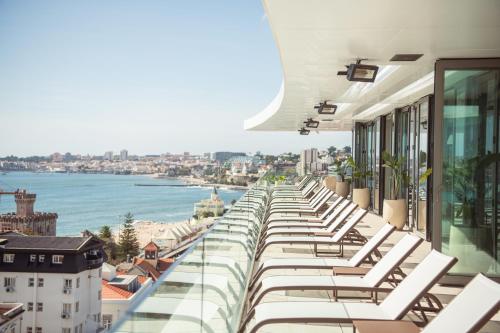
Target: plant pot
395 212
361 197
342 189
330 182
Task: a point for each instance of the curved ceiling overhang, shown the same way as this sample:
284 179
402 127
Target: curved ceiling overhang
317 38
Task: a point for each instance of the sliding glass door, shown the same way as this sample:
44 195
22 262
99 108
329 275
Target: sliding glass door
467 164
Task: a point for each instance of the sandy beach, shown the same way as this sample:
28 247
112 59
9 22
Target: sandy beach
148 230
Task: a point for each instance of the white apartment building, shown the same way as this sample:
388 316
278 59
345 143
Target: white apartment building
58 279
124 155
308 159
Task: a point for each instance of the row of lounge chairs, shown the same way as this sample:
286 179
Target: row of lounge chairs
300 214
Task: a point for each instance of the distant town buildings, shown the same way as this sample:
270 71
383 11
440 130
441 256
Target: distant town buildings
123 155
222 156
25 219
108 156
213 206
58 279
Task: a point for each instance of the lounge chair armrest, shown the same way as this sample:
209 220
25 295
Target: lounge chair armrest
324 233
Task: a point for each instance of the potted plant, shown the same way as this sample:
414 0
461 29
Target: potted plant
395 211
360 192
342 184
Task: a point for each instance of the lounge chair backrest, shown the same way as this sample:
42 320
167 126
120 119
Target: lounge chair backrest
392 259
470 309
318 196
331 208
303 182
311 186
351 223
416 284
371 245
323 200
339 215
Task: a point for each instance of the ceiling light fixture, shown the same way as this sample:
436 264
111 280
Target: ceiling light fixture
304 131
325 108
360 72
310 123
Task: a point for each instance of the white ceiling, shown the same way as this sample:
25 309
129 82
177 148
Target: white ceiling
317 38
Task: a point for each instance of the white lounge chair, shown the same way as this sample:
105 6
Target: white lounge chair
369 282
468 312
345 234
331 223
278 221
394 306
357 259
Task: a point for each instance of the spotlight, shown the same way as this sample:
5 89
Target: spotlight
304 131
359 72
311 123
325 108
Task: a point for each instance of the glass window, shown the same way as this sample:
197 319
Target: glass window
78 282
57 259
39 307
32 257
66 330
29 329
106 321
41 258
68 283
40 282
8 257
38 330
31 282
471 184
9 282
77 306
30 306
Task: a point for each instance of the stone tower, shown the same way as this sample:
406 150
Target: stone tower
25 203
26 220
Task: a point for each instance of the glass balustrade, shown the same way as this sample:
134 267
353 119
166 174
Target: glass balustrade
205 289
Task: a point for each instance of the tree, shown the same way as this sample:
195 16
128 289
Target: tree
347 149
105 232
128 243
332 151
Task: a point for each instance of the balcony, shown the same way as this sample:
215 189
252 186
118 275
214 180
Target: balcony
206 289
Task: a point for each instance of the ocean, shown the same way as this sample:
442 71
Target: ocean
89 201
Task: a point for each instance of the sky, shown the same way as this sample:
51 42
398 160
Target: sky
148 76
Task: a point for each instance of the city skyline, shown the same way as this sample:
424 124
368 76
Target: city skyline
90 76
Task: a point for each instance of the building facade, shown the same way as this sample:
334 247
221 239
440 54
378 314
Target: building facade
58 279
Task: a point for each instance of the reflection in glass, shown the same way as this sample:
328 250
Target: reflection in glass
470 189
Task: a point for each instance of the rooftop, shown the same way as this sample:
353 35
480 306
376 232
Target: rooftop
43 242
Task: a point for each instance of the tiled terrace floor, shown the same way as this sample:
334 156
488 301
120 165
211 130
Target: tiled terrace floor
368 226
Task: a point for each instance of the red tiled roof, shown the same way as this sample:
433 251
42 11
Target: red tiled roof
151 246
113 292
147 267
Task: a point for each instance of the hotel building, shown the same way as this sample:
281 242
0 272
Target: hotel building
57 279
419 80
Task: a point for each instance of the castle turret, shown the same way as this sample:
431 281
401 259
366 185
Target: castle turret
25 203
25 219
